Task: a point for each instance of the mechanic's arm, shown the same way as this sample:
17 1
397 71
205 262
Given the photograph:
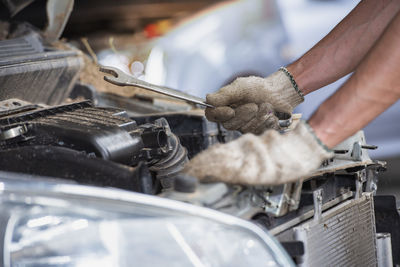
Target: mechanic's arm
339 52
374 86
274 158
252 104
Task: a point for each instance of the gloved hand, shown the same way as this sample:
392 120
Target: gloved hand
249 104
269 159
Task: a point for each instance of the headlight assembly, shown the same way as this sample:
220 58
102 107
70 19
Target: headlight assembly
49 224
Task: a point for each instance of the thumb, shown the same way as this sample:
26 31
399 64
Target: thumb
219 114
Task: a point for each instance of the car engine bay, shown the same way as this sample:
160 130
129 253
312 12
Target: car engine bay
53 125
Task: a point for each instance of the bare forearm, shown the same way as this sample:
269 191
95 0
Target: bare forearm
373 87
343 48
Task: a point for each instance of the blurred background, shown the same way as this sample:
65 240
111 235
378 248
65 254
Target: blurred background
197 46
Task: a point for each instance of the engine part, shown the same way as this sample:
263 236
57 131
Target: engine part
294 248
104 136
195 132
168 167
106 133
388 221
25 45
185 183
70 164
30 72
384 250
58 13
47 78
342 236
137 105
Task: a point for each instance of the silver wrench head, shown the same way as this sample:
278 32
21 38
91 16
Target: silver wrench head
118 77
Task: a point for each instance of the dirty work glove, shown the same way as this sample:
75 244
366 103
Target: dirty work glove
250 104
269 159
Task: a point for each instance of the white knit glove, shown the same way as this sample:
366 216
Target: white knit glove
269 159
250 104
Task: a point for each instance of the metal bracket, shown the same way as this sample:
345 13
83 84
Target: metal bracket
356 153
317 197
285 200
361 178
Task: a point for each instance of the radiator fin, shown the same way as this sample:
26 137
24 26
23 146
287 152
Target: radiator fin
345 236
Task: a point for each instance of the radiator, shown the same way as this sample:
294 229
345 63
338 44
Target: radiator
344 236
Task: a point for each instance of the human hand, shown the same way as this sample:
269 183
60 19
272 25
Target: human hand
251 104
269 159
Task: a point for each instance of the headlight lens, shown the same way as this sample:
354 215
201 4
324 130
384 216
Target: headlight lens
68 225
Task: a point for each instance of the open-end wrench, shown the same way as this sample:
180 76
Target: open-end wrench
118 77
122 79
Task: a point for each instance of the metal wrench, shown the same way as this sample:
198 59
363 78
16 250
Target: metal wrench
122 79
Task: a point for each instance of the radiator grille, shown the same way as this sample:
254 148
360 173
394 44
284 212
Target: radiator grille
345 236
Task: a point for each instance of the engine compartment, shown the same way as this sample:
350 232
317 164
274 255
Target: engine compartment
104 146
89 145
54 125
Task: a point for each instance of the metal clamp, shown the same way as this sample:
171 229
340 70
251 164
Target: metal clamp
13 132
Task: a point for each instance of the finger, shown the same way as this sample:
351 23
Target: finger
219 114
243 114
264 119
271 122
256 122
250 126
